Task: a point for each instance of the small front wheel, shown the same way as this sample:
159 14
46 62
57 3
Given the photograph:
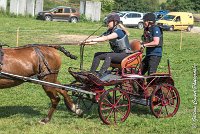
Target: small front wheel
164 101
114 106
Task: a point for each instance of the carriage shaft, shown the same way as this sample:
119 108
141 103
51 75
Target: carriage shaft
45 83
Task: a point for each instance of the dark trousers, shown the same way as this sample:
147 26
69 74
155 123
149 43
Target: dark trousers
150 64
108 57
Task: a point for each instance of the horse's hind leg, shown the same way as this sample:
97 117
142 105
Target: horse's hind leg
69 103
53 95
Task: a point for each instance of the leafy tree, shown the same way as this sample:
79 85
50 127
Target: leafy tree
137 5
179 5
196 4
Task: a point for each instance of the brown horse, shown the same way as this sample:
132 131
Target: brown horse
36 60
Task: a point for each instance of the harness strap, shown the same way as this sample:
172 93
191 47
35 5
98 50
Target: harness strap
42 60
1 58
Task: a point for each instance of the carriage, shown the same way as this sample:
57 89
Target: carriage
117 92
127 87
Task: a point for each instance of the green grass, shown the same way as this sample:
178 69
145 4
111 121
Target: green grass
22 107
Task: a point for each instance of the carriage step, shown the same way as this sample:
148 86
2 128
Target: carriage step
140 101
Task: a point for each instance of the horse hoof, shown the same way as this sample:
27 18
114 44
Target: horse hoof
44 121
79 112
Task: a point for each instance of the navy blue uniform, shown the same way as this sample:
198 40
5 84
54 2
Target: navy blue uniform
153 54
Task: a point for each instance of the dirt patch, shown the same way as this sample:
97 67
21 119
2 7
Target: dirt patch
73 38
196 17
195 30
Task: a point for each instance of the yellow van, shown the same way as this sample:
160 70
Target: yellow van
177 21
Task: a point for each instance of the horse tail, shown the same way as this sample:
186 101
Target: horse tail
67 53
58 47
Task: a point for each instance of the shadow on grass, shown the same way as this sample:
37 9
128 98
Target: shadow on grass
7 111
140 110
90 113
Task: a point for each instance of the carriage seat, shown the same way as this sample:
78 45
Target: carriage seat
131 64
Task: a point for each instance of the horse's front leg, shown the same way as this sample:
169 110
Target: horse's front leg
53 95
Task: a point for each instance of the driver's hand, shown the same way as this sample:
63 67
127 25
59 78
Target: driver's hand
87 42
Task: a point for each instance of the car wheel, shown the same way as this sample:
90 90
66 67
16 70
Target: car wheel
73 20
140 25
189 28
48 18
171 28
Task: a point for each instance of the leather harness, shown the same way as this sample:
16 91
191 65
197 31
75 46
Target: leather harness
43 65
43 70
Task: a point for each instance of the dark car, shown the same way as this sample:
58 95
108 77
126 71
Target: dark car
61 13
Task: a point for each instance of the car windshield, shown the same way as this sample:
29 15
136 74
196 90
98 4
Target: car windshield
121 14
168 17
52 10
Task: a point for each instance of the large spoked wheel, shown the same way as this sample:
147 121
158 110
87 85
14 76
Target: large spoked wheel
114 106
164 101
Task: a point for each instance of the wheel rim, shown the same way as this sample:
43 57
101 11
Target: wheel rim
114 106
189 29
48 18
140 25
171 28
73 20
164 101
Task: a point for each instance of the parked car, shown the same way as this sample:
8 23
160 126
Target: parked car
130 19
177 21
61 13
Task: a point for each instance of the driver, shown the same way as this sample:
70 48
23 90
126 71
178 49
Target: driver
117 36
153 41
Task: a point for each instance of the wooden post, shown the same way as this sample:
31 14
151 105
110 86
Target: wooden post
181 40
17 43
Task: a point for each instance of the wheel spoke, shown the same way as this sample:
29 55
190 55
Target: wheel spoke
115 116
160 111
120 112
118 99
123 105
156 105
166 110
109 114
106 108
108 102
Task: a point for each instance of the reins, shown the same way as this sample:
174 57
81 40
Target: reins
82 45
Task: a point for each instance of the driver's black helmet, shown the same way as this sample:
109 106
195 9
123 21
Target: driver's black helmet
149 17
113 17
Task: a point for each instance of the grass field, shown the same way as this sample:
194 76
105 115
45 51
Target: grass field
22 107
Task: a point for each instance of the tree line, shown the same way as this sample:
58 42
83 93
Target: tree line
144 5
150 5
